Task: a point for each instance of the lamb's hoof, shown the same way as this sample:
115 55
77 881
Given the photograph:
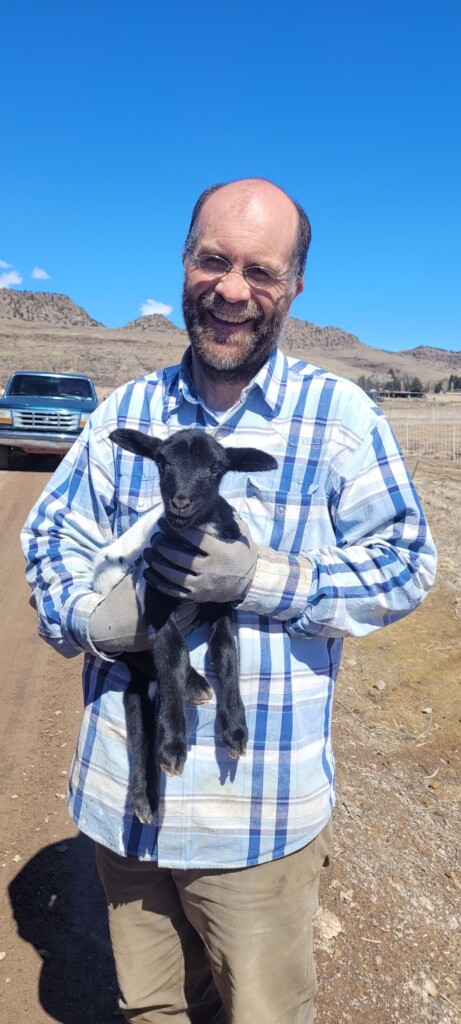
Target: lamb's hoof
198 691
172 760
201 698
236 752
236 742
143 810
171 771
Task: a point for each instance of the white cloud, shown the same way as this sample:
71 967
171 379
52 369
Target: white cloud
11 277
150 306
5 266
40 275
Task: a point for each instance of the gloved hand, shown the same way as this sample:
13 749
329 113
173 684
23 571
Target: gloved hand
198 566
117 623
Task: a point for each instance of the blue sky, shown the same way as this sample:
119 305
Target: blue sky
115 116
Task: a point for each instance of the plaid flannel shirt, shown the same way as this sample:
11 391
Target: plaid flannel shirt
344 549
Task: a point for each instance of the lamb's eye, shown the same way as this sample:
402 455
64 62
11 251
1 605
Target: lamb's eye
214 471
161 466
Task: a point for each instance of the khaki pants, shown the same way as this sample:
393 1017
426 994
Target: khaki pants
215 947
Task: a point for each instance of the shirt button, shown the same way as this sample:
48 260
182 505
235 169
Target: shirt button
141 503
280 510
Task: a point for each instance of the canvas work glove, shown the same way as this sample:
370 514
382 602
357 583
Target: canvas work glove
117 623
199 566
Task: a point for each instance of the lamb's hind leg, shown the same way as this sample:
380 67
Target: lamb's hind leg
230 707
141 733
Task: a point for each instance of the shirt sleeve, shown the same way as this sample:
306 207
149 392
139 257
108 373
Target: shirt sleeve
379 569
67 527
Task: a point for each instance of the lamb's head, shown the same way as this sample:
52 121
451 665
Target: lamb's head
191 465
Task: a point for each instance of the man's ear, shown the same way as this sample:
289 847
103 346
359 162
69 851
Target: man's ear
295 289
137 442
299 287
249 460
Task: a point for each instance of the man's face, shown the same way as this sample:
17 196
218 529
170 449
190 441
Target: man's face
233 325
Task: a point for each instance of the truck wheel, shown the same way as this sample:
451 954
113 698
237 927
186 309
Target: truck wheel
4 457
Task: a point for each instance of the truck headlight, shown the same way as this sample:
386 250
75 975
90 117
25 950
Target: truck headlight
83 419
5 417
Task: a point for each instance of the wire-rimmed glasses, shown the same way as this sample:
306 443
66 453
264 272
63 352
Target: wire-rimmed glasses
213 266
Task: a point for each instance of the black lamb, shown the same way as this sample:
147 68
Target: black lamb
191 464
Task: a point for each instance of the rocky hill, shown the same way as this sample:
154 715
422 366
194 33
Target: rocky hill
157 323
43 307
45 331
335 349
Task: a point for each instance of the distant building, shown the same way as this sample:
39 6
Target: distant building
387 393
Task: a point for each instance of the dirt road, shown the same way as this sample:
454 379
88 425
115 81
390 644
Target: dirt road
388 932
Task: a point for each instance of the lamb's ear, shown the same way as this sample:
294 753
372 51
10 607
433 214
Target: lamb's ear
249 460
137 442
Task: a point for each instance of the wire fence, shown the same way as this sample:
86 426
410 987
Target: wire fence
441 440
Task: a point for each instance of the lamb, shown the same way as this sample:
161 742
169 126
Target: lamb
191 464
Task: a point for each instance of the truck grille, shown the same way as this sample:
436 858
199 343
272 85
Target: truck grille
32 419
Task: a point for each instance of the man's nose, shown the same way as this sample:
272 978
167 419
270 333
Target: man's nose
233 287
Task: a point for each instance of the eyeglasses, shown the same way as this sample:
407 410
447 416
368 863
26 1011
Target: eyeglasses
211 265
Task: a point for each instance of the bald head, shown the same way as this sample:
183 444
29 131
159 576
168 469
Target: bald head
250 194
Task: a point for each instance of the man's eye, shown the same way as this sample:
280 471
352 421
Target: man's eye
212 264
259 276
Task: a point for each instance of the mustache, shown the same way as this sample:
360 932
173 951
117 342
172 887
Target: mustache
215 303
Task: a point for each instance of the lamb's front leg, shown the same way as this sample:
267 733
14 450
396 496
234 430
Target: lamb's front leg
230 707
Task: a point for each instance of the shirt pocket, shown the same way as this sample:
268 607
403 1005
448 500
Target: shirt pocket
279 518
136 496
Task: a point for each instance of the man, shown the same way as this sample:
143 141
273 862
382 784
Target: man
211 907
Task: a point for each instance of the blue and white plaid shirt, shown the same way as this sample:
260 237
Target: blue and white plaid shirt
345 550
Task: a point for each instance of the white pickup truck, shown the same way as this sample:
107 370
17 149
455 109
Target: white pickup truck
43 412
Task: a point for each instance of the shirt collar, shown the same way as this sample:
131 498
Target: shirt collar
270 381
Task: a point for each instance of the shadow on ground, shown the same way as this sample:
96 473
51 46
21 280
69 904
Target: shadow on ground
59 907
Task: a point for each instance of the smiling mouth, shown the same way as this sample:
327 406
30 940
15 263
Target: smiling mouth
231 320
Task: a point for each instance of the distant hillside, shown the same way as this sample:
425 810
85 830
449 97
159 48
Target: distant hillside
335 349
425 353
43 307
44 331
301 332
155 322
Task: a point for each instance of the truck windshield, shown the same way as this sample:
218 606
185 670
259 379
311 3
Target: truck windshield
49 387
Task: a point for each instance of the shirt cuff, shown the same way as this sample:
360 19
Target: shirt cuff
280 585
76 614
